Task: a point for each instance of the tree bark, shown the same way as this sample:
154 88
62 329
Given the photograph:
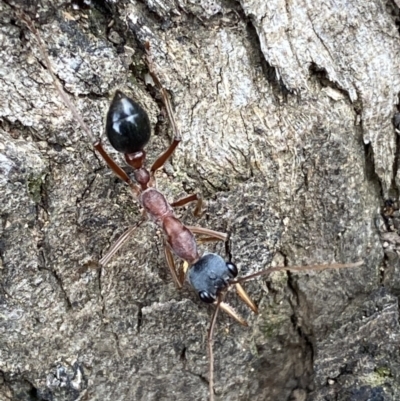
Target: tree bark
287 116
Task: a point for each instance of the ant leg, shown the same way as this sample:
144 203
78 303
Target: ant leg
164 156
177 136
212 235
188 199
119 243
210 343
171 265
231 312
116 169
245 298
171 117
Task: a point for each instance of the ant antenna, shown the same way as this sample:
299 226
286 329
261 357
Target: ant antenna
295 269
29 23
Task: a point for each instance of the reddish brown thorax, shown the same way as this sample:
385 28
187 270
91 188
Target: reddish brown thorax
155 204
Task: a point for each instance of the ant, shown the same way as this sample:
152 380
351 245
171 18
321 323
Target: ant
128 130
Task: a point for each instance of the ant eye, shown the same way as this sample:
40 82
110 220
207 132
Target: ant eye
206 297
232 268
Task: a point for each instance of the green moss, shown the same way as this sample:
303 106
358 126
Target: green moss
272 324
35 187
383 371
279 279
137 68
378 377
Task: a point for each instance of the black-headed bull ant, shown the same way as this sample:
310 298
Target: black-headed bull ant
128 130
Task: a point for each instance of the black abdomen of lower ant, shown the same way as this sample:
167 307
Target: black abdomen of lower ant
127 125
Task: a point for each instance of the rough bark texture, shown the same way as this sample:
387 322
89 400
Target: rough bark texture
286 110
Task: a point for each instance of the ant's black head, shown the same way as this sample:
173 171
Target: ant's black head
127 125
210 275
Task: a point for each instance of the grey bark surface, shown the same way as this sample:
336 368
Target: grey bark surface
286 111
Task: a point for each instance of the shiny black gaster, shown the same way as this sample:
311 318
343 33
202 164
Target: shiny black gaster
127 125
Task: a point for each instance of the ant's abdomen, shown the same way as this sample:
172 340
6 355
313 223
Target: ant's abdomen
127 125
